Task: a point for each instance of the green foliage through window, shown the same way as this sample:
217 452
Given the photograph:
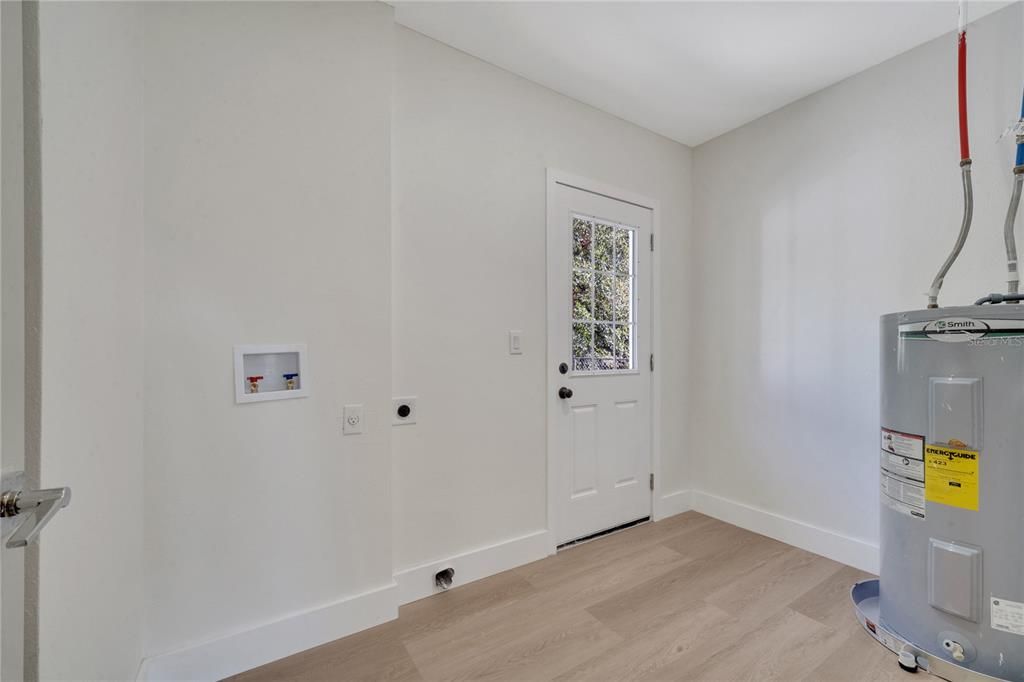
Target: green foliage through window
603 279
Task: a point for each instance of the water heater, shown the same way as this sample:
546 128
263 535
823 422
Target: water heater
951 472
950 596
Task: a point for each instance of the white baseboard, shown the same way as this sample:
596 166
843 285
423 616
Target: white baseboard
417 582
241 651
842 548
673 503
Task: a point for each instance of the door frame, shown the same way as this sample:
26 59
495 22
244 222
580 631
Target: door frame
17 607
556 177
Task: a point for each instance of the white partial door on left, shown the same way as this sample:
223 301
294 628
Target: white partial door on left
599 374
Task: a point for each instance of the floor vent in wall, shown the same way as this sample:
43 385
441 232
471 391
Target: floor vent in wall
601 534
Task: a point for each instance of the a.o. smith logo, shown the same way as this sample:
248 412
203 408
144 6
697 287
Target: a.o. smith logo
955 329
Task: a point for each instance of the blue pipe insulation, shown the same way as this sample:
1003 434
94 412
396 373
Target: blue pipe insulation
1020 147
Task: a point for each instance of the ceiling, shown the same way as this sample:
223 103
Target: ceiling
687 70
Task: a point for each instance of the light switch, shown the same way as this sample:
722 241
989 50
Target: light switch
515 342
353 420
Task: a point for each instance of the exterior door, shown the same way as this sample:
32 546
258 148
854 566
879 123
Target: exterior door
599 374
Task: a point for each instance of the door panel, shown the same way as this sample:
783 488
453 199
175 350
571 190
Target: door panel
599 324
584 449
625 432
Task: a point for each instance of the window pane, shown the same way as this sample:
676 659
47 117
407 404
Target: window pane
604 341
623 349
603 290
586 364
581 242
582 295
582 340
622 299
603 240
623 251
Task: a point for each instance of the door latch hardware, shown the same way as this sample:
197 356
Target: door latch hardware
37 506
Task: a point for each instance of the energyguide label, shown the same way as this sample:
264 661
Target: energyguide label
952 475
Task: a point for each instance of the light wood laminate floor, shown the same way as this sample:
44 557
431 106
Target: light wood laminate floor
688 598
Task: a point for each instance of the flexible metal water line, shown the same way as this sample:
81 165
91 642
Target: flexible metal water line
965 227
1012 278
965 157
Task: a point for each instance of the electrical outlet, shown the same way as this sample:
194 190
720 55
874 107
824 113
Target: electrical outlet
352 420
403 410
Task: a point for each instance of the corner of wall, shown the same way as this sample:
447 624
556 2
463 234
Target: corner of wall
673 503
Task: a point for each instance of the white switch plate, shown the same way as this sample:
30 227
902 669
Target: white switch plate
515 342
353 420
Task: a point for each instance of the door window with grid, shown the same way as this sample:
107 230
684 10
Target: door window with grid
603 296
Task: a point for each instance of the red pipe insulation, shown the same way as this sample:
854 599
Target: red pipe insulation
961 91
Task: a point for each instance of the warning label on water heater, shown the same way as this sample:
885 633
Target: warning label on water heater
952 476
902 472
903 454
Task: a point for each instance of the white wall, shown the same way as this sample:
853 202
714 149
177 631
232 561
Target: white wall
248 147
90 563
470 147
809 224
267 220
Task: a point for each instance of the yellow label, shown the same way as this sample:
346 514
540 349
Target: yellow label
951 476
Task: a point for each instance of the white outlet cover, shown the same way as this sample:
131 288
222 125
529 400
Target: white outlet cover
352 420
396 404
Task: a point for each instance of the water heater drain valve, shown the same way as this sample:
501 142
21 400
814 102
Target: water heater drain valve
956 650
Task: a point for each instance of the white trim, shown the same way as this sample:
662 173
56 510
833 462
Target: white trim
656 345
848 550
417 582
673 503
262 644
556 177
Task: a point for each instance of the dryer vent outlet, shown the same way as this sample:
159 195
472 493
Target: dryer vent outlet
403 410
443 579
